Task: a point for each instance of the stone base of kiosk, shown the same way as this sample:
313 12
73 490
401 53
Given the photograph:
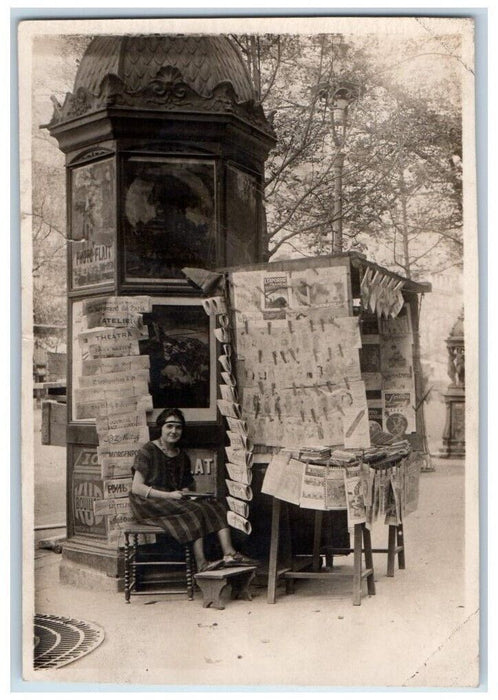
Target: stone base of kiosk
95 567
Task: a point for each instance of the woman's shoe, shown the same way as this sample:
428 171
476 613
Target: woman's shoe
238 559
211 566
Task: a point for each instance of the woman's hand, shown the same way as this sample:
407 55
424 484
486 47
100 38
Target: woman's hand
177 495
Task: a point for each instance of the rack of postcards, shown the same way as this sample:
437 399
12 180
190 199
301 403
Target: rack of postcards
112 387
239 452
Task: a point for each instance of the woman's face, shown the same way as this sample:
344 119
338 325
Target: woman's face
171 431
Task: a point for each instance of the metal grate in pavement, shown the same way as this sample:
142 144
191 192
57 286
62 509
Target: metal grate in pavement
61 640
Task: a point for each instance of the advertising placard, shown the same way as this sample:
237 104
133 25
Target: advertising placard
87 488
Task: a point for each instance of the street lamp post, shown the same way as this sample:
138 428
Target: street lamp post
342 96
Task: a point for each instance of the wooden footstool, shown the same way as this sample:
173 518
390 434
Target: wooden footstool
213 583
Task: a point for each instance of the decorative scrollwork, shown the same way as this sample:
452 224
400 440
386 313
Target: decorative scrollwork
167 91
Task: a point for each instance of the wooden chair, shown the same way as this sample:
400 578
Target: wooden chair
172 558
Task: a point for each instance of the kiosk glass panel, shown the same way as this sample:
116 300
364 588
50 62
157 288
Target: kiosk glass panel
168 217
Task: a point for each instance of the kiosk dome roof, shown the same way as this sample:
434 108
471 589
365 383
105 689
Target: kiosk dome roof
203 61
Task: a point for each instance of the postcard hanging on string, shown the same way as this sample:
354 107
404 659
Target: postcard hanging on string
229 378
384 485
239 472
349 329
214 306
335 491
300 290
399 381
354 496
283 478
228 393
396 355
275 295
391 517
247 292
226 363
236 425
411 466
228 408
238 490
355 417
238 522
313 489
401 325
240 441
399 412
222 335
239 507
239 456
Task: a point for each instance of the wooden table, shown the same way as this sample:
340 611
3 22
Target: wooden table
362 544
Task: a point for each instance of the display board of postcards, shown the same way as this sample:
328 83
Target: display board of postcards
298 361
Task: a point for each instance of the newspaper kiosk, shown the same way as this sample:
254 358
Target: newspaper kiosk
164 170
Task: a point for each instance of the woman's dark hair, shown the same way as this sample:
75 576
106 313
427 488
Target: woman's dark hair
164 415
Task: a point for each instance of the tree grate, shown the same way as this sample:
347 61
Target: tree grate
59 641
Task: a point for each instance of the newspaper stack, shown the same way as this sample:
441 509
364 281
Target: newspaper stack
113 387
314 454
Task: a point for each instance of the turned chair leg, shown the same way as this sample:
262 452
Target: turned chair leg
127 553
189 572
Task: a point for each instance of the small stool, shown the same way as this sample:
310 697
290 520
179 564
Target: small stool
134 562
213 583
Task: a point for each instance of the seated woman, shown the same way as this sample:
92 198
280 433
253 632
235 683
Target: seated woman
161 475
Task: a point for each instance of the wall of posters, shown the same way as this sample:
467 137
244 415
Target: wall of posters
168 217
93 224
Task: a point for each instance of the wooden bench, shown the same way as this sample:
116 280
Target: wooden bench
214 583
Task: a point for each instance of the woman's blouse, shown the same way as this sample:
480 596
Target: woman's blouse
162 472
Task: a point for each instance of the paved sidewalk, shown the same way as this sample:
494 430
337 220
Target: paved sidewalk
418 630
